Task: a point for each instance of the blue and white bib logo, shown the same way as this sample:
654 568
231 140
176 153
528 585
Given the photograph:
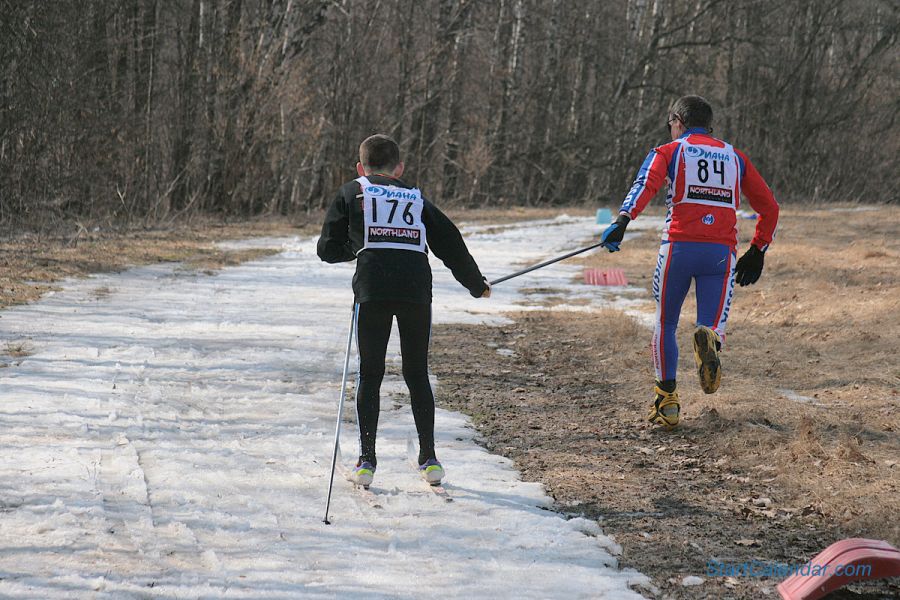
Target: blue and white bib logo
399 193
708 219
697 152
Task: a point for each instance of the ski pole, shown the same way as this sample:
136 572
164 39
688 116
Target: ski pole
545 263
337 428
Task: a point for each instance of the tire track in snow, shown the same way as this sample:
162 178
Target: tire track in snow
122 484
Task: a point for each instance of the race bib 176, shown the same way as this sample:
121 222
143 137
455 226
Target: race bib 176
392 217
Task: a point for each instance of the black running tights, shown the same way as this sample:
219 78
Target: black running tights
373 329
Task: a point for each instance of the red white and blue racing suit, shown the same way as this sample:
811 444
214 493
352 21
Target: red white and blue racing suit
706 177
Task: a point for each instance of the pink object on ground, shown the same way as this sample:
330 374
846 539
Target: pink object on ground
605 277
866 559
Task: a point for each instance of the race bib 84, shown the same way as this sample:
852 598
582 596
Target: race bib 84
710 175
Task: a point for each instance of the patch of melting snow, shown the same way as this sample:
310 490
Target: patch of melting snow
173 440
855 209
261 243
516 246
795 397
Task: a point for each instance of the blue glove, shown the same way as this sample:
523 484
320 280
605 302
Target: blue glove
612 236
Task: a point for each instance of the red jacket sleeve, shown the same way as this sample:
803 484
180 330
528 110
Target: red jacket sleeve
762 201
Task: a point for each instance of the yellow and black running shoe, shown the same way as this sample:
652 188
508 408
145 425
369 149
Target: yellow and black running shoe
706 355
665 409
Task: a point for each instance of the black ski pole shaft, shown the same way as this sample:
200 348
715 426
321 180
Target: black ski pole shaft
337 428
544 264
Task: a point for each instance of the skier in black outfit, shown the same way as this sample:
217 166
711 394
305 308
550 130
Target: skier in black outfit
388 227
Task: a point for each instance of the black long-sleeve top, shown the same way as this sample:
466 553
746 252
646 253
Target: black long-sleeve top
394 275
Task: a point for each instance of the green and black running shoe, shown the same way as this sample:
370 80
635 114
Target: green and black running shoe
362 474
432 471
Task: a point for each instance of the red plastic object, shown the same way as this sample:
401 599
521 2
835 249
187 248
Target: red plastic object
605 277
860 560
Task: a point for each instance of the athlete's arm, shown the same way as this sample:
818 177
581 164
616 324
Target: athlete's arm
447 244
650 178
334 242
762 201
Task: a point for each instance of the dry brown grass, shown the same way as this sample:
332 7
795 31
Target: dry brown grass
18 349
13 350
30 265
823 323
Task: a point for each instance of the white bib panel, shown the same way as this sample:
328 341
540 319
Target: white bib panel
710 175
392 217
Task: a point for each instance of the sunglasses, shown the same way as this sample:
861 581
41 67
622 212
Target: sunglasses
672 119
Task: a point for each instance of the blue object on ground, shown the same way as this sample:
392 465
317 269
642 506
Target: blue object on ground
604 216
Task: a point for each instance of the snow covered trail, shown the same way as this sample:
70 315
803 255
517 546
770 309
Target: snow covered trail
170 437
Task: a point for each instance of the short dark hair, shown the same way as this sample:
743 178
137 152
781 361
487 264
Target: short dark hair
379 152
694 111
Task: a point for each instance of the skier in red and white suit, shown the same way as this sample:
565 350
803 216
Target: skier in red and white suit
706 177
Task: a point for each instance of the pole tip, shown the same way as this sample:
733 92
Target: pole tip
326 521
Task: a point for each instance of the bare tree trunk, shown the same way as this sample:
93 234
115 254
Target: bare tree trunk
146 65
452 132
187 111
509 94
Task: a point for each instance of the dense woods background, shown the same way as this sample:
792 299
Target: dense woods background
141 111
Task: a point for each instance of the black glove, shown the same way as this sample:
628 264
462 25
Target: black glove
486 287
749 266
612 236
